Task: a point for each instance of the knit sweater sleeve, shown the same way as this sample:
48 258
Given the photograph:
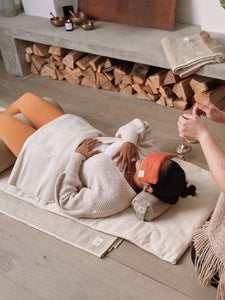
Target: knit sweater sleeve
92 188
72 198
138 132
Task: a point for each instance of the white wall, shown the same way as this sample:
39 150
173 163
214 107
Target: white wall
189 11
206 13
213 18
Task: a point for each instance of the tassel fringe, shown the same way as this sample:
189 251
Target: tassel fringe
207 264
213 45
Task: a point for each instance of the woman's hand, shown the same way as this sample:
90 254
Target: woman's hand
126 152
191 127
210 111
86 147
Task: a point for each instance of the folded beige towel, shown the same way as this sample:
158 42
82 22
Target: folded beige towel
188 54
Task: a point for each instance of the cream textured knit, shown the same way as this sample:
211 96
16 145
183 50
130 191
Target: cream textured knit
91 188
209 242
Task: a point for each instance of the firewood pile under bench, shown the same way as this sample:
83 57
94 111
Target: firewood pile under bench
146 82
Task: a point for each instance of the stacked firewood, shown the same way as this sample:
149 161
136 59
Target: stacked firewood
146 82
208 89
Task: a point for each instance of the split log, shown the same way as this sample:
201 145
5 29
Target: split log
89 73
180 104
71 58
96 61
161 101
84 62
33 69
109 73
110 87
107 63
100 66
152 86
59 51
89 82
141 94
150 94
168 94
40 49
71 76
38 61
121 69
183 89
101 79
171 78
49 59
158 78
200 84
48 69
29 50
214 96
127 79
28 57
57 57
140 72
43 72
59 75
59 66
77 71
127 90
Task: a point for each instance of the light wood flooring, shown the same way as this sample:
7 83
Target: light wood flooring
34 265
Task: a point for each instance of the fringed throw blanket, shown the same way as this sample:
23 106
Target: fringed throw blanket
186 55
209 242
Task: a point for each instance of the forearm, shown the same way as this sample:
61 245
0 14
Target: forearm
215 157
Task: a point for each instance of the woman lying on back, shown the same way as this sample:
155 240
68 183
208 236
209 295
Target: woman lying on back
89 174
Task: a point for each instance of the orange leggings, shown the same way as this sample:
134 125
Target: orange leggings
13 131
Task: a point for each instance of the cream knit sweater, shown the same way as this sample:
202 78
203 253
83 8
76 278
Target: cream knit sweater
209 242
49 170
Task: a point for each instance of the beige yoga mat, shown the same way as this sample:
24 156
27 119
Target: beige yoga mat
167 237
64 229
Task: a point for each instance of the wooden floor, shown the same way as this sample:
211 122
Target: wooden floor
34 265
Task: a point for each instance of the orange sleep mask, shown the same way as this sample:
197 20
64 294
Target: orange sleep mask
150 167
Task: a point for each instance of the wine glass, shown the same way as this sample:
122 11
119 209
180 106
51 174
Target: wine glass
184 148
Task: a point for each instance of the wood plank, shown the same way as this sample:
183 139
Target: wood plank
54 270
156 14
181 277
10 291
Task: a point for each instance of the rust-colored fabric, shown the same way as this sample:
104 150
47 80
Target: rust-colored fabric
150 167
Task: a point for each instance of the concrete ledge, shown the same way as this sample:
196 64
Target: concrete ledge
125 42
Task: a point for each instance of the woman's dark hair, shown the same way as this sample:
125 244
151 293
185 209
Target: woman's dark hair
172 184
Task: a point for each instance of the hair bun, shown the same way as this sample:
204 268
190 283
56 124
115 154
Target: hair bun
190 190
